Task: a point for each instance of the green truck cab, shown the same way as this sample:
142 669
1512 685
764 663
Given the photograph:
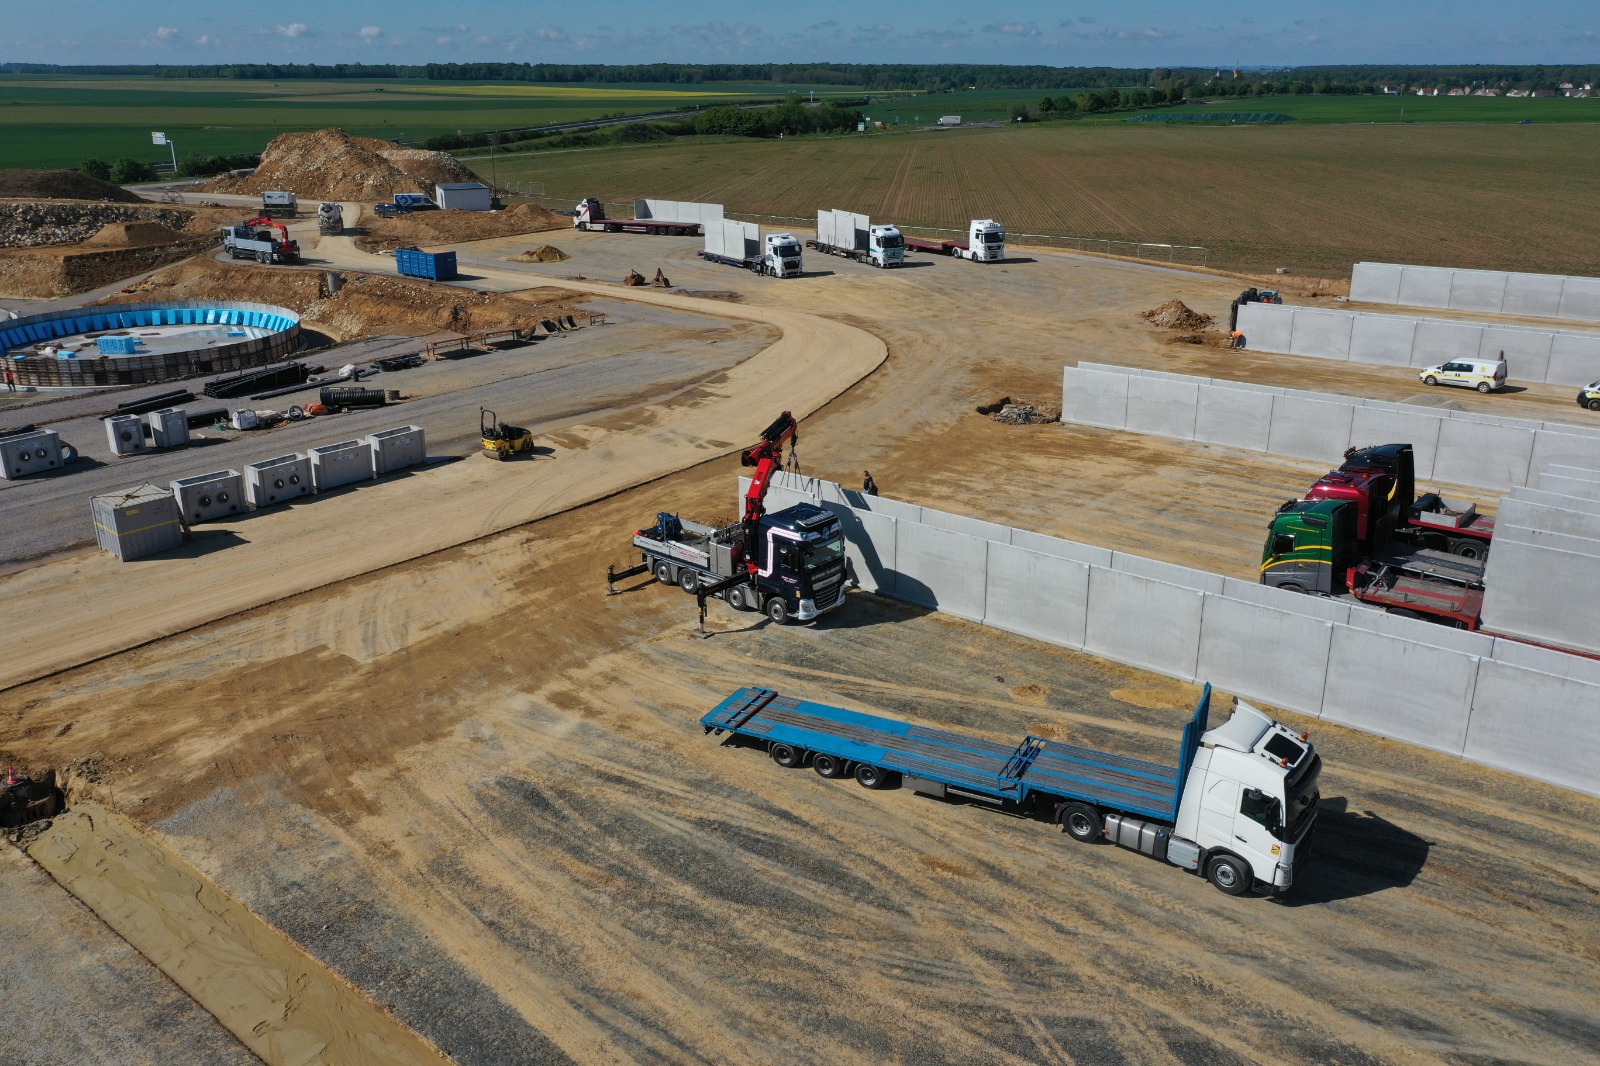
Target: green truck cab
1311 546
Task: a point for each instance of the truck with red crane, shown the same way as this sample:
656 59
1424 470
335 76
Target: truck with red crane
244 241
788 564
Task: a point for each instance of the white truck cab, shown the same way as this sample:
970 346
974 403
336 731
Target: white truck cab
1248 804
986 241
886 247
781 256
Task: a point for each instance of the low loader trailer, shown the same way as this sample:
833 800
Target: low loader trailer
1237 809
591 216
855 237
985 243
742 244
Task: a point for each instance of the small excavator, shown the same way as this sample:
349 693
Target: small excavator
502 440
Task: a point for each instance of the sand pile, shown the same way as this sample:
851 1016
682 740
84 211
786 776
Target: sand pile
133 235
61 185
1175 315
450 227
541 253
332 165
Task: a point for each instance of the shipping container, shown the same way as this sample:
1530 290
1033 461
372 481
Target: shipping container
427 263
136 522
462 196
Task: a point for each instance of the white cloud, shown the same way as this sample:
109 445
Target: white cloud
207 41
555 35
446 39
1014 29
294 29
370 32
167 33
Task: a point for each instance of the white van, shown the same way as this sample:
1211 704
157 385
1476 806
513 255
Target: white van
1483 375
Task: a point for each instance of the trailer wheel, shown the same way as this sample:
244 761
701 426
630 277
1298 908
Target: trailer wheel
786 756
777 611
664 573
830 766
688 580
1081 821
871 776
1227 874
1467 549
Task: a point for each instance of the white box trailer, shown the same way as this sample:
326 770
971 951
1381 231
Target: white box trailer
854 236
463 196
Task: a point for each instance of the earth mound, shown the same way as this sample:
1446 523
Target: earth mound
542 253
332 165
134 235
1175 315
61 185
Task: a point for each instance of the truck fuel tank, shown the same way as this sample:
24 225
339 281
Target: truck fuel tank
1147 838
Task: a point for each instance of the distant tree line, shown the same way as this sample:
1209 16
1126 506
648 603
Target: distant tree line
882 76
128 171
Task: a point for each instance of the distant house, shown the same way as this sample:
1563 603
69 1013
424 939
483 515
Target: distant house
1389 90
1457 92
1428 92
1487 92
1544 92
1518 93
1565 85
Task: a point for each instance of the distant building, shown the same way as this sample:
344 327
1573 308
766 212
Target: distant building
1457 92
1518 93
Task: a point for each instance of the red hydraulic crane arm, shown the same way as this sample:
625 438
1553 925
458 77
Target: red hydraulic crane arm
767 458
275 224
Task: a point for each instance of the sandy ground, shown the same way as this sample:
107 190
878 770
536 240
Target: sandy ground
473 785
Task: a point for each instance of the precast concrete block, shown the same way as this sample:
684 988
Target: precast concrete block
940 569
972 527
1145 623
1323 334
869 546
1574 359
1094 398
1543 594
125 435
344 463
1382 340
1569 486
34 452
1422 286
1245 386
1580 299
1408 424
1236 418
1484 456
1266 327
1162 407
898 510
1535 295
1536 724
1547 660
397 449
1439 341
1110 368
1375 283
1394 627
1319 607
207 496
1171 573
1581 473
1309 429
1585 504
1526 424
1526 352
1058 548
1570 517
1036 595
1409 691
278 480
1261 653
1478 290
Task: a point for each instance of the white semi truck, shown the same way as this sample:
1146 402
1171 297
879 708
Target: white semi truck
279 204
855 237
742 244
985 243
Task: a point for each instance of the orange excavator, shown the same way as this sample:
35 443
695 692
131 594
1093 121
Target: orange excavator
244 241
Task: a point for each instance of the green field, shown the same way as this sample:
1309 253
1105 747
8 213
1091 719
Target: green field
1314 198
57 121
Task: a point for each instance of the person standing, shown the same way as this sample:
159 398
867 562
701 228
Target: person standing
868 486
11 380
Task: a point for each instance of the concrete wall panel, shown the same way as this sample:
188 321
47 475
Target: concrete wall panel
1425 286
1580 299
1547 660
1538 295
940 569
972 527
1384 340
1539 592
1400 689
1585 473
1413 425
1266 327
1321 333
1574 521
1479 289
1439 341
1094 398
1471 453
1237 418
1328 610
1061 549
1309 429
1144 623
1377 283
1526 352
869 545
1569 486
1264 654
1162 407
1574 359
1552 448
1037 595
1536 724
1171 573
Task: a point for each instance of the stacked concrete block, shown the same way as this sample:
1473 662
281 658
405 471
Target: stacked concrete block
345 463
209 496
1541 578
29 453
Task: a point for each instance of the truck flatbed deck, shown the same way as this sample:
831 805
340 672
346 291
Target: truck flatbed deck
1443 566
996 770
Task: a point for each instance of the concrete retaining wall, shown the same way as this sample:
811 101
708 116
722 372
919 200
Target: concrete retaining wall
1556 357
1517 707
1499 292
1457 447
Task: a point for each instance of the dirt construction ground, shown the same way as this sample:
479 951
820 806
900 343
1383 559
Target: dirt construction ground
455 772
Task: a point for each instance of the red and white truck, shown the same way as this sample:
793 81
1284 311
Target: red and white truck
591 216
985 243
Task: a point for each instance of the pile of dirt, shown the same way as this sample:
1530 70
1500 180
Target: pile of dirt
366 305
1175 315
133 235
540 253
450 227
1020 412
332 165
116 251
61 185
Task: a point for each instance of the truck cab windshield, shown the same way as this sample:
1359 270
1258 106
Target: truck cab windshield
814 557
895 241
994 238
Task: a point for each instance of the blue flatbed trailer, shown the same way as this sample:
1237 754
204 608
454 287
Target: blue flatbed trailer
939 762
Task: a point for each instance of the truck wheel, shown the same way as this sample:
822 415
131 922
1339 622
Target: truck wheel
1484 386
829 766
688 580
777 610
1081 821
736 598
871 776
261 257
786 756
1467 549
1227 874
1290 586
664 573
1430 380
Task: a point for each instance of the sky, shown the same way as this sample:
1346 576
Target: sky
1133 33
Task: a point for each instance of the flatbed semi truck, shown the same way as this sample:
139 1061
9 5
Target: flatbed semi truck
985 243
1238 808
855 237
742 244
591 216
